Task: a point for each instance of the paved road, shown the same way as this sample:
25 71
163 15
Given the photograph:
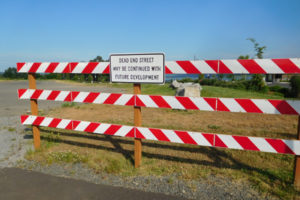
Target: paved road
21 184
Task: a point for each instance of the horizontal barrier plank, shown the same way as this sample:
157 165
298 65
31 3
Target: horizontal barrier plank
289 107
230 66
185 137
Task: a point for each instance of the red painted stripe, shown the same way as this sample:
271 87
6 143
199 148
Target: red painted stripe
89 68
112 129
112 98
212 102
159 134
130 102
54 122
246 143
279 146
23 118
130 133
74 94
252 67
106 70
223 69
91 97
283 107
188 67
34 67
70 125
36 94
248 105
138 102
52 66
19 66
38 121
92 127
168 71
69 97
21 92
185 137
209 137
219 142
72 67
160 101
187 103
286 65
213 64
53 95
75 124
221 106
138 134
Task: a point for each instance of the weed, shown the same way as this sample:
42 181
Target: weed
67 157
68 104
213 127
11 129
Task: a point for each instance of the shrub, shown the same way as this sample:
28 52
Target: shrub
295 86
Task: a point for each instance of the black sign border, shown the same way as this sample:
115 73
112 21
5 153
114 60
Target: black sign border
132 54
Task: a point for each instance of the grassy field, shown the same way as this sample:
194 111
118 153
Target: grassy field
268 173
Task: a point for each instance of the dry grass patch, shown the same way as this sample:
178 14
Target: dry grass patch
270 173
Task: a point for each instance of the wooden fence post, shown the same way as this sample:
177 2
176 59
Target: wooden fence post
34 111
137 122
297 162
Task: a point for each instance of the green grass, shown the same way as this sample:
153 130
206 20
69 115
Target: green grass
213 91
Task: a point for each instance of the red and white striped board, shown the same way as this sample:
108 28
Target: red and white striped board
184 137
230 66
289 107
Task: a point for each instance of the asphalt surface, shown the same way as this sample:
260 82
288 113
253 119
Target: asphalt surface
22 184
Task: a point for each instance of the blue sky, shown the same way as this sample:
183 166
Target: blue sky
34 31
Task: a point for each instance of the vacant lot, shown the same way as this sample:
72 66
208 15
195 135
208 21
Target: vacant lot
268 173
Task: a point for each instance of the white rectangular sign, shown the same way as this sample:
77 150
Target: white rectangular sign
137 68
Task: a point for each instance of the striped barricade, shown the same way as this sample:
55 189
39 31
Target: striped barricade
290 107
184 137
230 66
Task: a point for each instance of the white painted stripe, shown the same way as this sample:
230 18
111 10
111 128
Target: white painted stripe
172 136
81 96
147 133
45 94
101 98
294 104
235 66
62 96
174 67
203 67
124 130
147 101
30 119
60 67
201 103
265 106
102 128
43 67
173 102
294 145
80 67
229 141
232 105
27 94
63 123
269 66
262 144
199 138
123 99
26 67
82 126
46 121
100 67
296 61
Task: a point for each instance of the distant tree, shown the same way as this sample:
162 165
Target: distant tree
259 50
11 73
244 57
102 77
